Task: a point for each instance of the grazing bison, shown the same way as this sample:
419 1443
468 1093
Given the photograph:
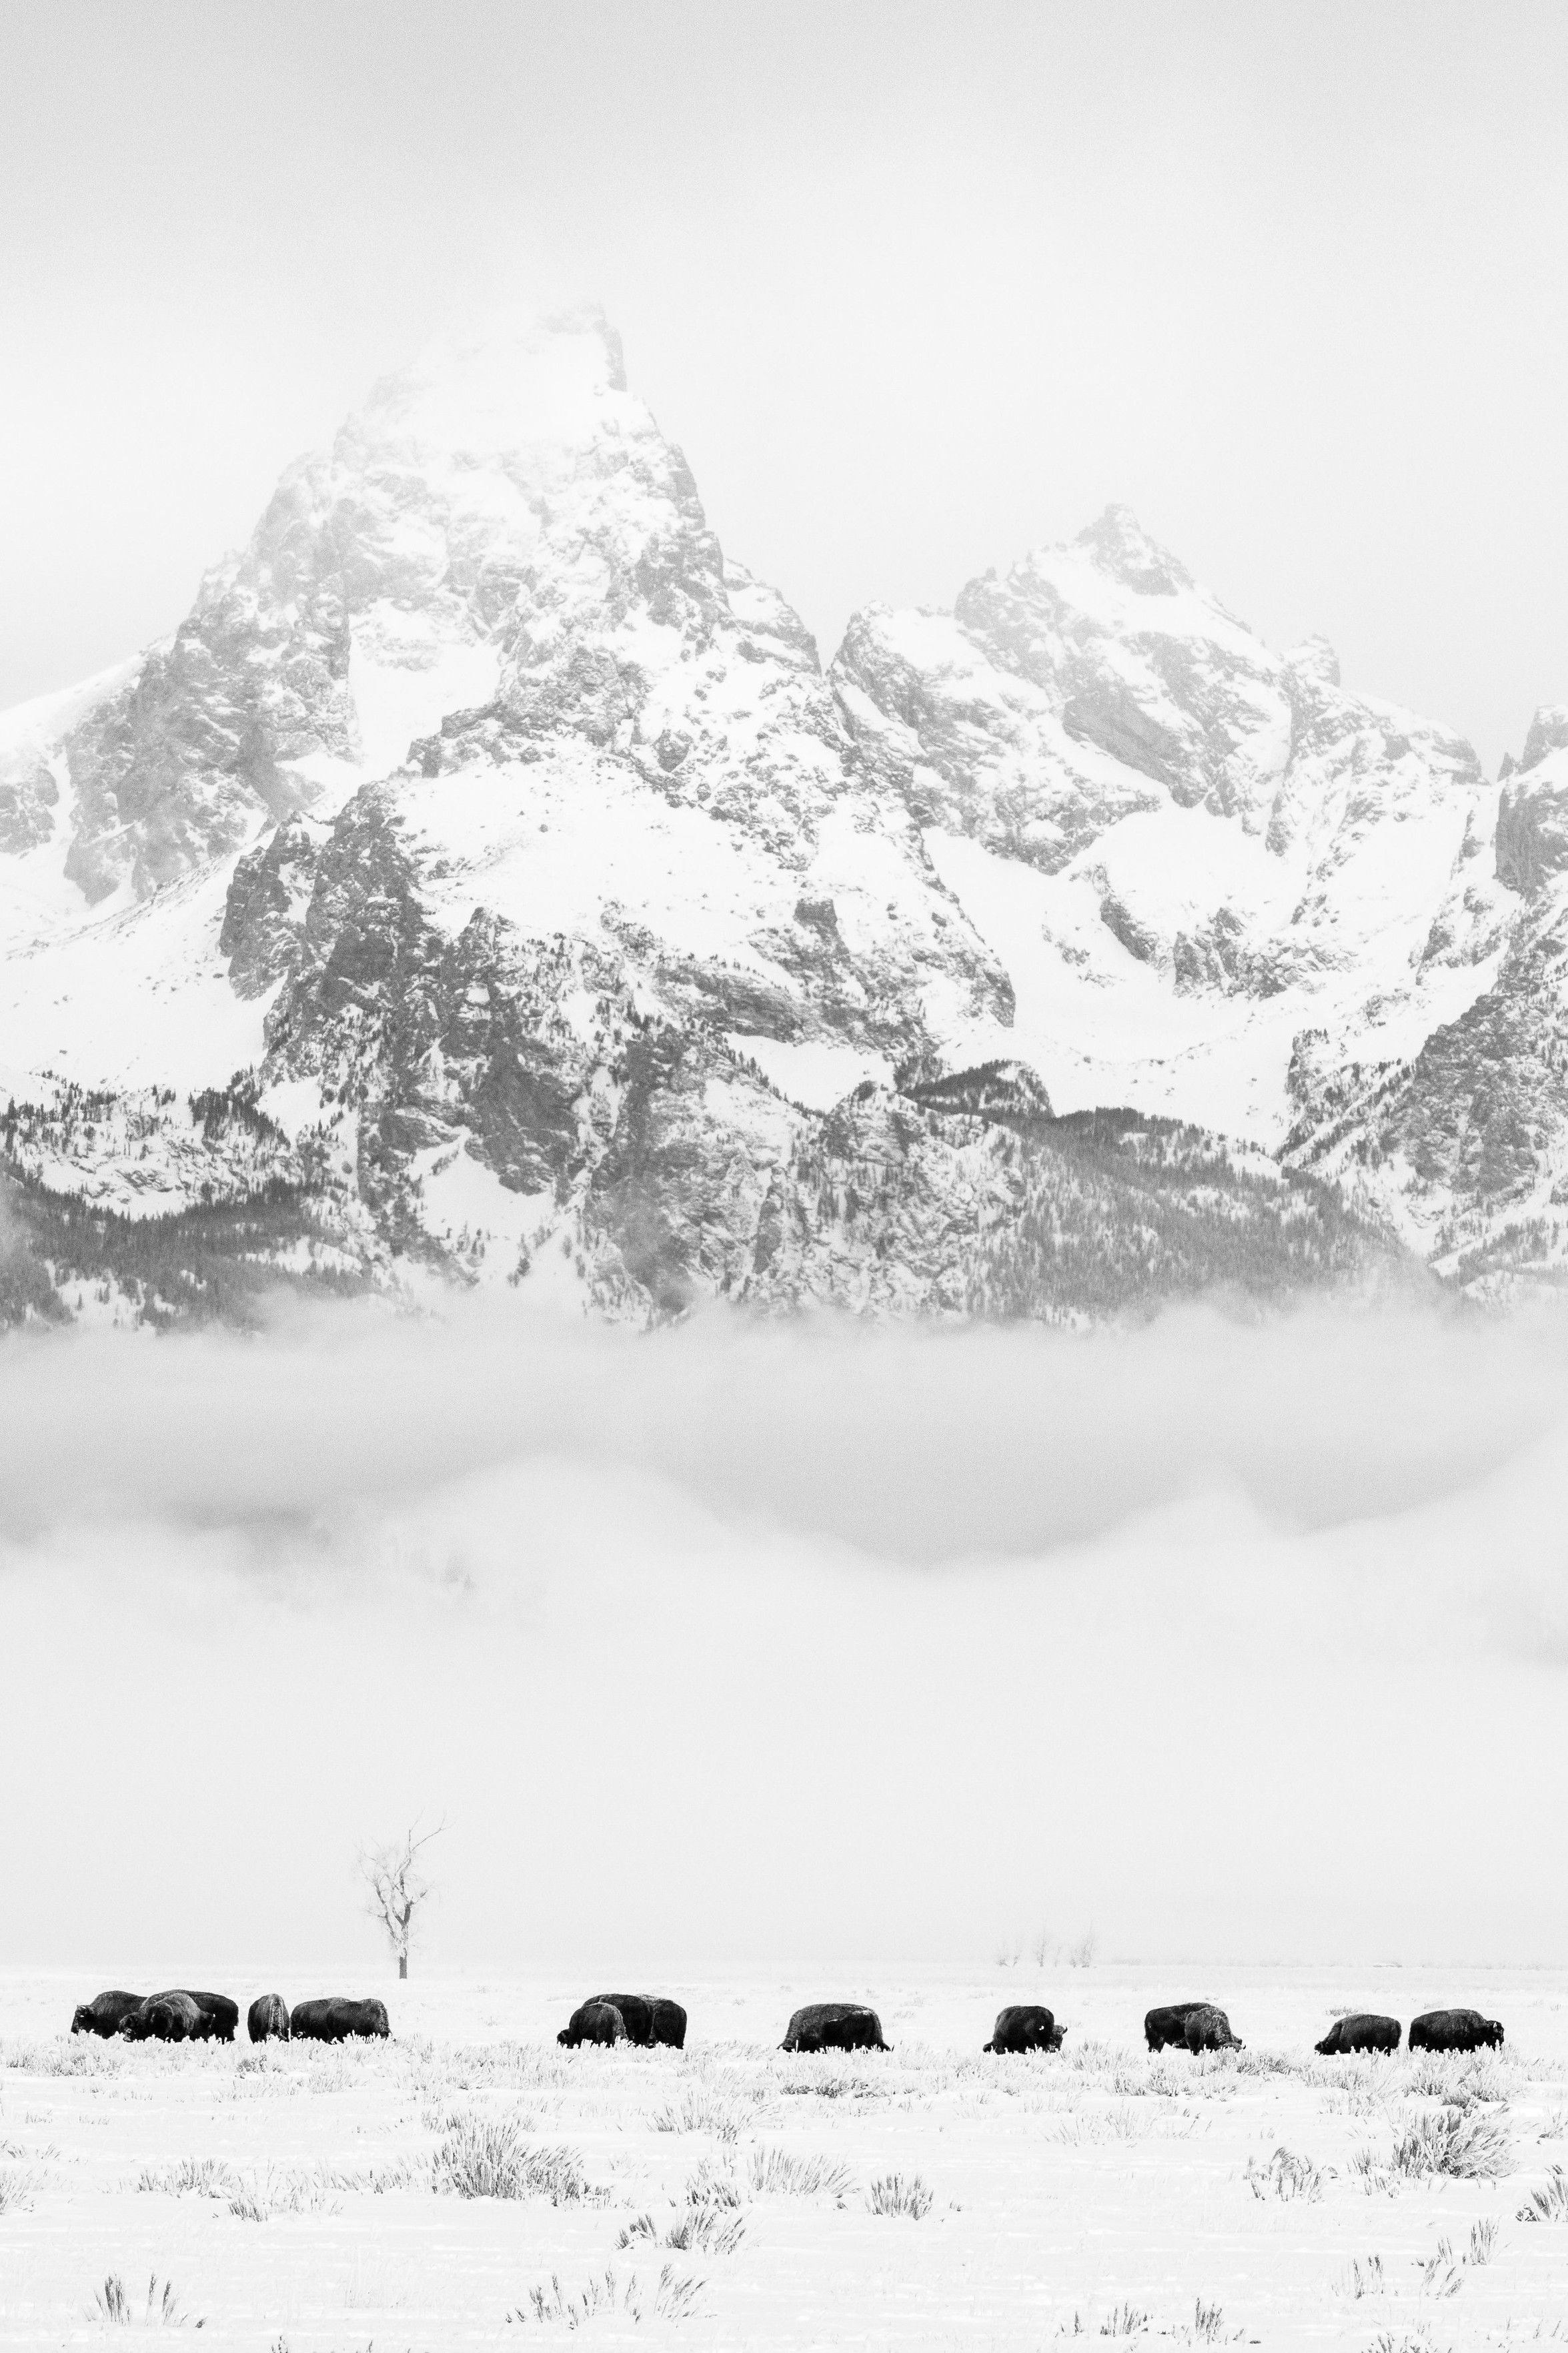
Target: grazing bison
636 2013
1169 2024
221 2014
1364 2031
173 2016
1025 2026
1208 2029
105 2014
835 2026
595 2021
181 2015
1454 2030
334 2018
668 2022
266 2019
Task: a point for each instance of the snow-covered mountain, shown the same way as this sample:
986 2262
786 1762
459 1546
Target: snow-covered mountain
1184 847
486 883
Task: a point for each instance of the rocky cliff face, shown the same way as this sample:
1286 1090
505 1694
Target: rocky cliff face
1463 1145
566 926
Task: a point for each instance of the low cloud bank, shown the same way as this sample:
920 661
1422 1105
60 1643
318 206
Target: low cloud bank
741 1643
918 1444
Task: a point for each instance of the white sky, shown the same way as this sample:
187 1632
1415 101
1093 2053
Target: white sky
915 286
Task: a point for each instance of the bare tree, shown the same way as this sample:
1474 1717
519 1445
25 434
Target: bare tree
397 1887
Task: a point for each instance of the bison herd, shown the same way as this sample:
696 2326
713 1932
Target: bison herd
182 2016
645 2017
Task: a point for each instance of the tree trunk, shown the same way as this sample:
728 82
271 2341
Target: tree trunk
402 1964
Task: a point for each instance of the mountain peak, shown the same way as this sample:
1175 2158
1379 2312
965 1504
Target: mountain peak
1548 733
1120 546
513 380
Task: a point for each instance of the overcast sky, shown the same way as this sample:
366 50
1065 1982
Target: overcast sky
915 286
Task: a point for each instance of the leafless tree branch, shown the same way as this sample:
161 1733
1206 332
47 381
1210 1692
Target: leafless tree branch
397 1887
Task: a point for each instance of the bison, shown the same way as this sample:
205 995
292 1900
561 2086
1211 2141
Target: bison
221 2014
1025 2026
105 2014
668 2022
1208 2029
835 2026
649 2018
595 2021
1169 2024
1454 2030
173 2016
636 2013
180 2015
1364 2030
334 2018
266 2019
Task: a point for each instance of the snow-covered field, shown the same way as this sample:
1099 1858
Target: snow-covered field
312 2200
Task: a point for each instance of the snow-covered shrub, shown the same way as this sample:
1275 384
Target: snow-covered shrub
900 2193
204 2176
703 2112
779 2173
1287 2176
712 2184
81 2054
487 2157
270 2190
112 2303
1550 2202
1471 2146
671 2297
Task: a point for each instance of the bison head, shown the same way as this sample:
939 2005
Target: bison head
81 2022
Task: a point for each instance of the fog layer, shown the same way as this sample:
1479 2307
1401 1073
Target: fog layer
738 1644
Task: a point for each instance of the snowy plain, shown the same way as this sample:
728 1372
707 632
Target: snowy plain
1098 2192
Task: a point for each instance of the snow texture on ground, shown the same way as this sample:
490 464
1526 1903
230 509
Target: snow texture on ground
306 2200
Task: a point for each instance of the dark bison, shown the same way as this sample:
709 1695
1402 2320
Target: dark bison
595 2021
334 2018
1208 2029
1169 2024
173 2017
180 2015
105 2014
835 2026
636 2013
222 2015
1454 2030
649 2018
266 2020
1025 2026
668 2022
1364 2031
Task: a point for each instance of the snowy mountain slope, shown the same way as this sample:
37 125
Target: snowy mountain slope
485 883
1462 1146
1184 846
